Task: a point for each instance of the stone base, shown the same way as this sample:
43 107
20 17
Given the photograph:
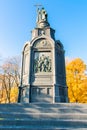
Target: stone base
43 94
60 93
24 94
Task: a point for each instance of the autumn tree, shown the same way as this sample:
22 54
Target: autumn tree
10 79
76 81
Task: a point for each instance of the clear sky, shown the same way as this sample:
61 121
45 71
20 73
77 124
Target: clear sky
67 17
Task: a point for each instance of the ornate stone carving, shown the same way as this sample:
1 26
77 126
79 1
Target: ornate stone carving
42 63
42 43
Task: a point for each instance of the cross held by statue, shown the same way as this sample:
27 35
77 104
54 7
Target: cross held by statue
37 6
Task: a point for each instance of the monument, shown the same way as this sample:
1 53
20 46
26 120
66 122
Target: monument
43 78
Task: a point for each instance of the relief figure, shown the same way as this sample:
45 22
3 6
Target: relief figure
42 64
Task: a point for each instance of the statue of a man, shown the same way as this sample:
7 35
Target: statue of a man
42 15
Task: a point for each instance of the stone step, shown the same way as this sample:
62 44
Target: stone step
37 105
45 123
43 110
37 128
60 116
41 116
28 128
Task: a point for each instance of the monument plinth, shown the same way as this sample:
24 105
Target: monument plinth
43 78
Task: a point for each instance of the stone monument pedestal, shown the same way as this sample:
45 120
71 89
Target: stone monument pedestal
43 78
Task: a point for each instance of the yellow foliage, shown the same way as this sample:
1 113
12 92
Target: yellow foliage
13 95
76 81
9 80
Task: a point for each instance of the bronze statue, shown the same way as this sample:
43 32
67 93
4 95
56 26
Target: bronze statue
42 15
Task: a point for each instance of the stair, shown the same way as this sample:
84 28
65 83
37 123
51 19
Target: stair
58 116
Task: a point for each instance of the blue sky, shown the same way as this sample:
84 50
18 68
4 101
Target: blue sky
67 17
